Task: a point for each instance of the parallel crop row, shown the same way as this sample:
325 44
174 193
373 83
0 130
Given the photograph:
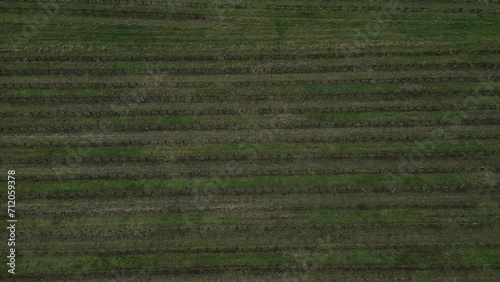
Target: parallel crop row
254 270
249 70
240 157
251 126
273 248
184 84
189 192
206 98
372 9
252 111
249 57
232 140
181 230
310 8
198 173
140 3
195 4
106 13
248 208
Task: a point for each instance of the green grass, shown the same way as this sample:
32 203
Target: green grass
319 257
205 121
228 218
254 182
251 149
86 263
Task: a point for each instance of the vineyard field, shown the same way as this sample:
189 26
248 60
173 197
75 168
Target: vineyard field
152 140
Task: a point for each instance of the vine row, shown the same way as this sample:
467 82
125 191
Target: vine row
189 84
372 9
190 192
267 249
198 173
242 270
252 126
106 13
255 140
205 98
99 113
182 230
239 157
90 212
249 57
248 70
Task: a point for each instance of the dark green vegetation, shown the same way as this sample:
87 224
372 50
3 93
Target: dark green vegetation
252 140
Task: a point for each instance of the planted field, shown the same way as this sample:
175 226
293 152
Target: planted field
251 140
